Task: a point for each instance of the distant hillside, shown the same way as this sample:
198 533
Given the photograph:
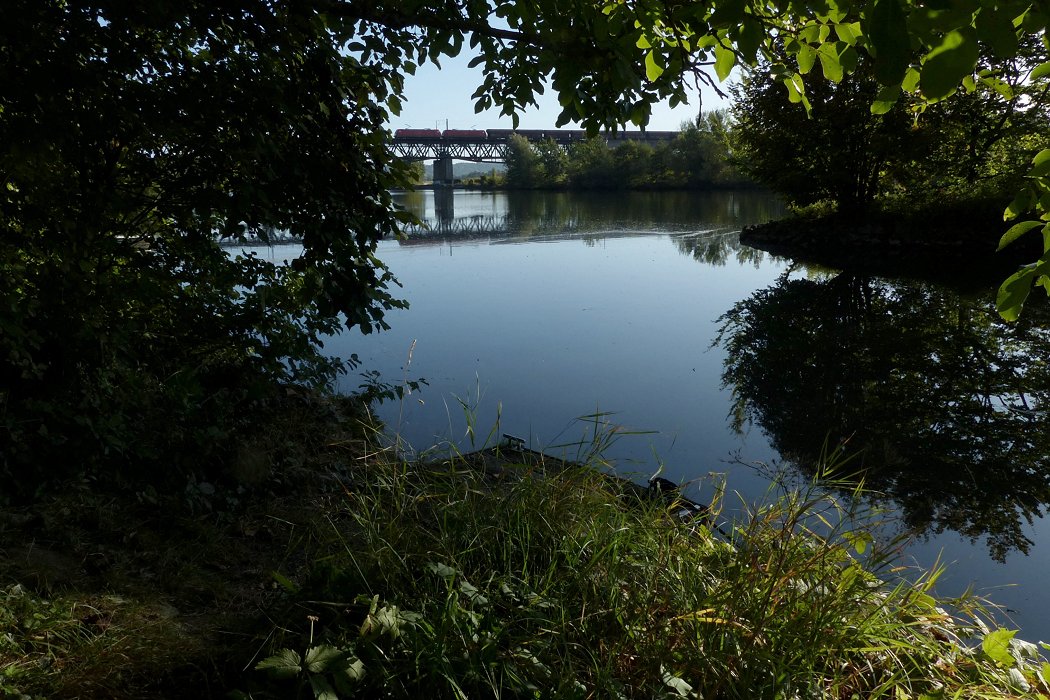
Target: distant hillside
461 170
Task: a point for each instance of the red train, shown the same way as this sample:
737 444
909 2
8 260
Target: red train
417 134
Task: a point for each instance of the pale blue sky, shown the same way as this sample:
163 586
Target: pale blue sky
436 95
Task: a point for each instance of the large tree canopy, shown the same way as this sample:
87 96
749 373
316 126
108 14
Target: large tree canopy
135 137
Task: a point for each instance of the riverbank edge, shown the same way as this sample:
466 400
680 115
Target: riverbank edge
953 245
122 595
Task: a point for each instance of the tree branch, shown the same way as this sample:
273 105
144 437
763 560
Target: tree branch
392 17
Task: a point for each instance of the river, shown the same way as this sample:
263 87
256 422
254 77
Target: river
531 312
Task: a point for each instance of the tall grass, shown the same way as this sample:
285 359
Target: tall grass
438 581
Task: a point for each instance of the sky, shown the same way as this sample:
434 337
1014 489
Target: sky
434 96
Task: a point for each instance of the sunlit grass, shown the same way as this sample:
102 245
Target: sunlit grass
541 579
440 580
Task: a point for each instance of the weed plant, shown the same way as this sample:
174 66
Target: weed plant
440 581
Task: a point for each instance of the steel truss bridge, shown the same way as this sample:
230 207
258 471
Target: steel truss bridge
490 146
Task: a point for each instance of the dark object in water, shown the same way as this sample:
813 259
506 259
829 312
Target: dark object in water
662 485
511 459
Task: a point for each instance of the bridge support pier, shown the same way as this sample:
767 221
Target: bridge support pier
443 174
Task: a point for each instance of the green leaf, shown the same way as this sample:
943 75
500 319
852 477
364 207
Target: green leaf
885 100
848 32
751 36
472 593
911 80
322 689
1040 71
321 658
283 664
724 61
810 33
728 13
997 646
349 676
806 57
1014 291
1000 86
859 540
1040 164
652 70
948 64
1020 204
285 582
829 62
443 570
795 88
1016 231
1044 672
848 58
889 38
995 28
676 683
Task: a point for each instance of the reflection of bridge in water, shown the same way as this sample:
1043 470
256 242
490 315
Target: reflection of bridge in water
476 225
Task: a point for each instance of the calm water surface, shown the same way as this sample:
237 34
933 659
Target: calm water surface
535 310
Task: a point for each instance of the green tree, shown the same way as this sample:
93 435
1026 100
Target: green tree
591 165
837 152
555 162
978 142
133 139
524 165
633 164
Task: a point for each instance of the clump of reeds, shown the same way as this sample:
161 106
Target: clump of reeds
440 581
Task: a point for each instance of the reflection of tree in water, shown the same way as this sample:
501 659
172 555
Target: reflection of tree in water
716 247
944 401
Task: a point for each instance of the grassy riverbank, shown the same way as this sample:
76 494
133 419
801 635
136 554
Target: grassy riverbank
353 572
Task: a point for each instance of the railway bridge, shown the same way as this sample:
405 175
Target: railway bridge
490 145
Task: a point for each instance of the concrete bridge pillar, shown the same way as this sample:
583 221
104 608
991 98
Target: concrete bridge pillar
443 174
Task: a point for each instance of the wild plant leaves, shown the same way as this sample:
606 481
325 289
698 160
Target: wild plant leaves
997 646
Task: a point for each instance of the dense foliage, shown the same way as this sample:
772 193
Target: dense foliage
698 158
837 152
134 138
969 145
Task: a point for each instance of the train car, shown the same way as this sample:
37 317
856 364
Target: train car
500 134
417 134
533 135
465 134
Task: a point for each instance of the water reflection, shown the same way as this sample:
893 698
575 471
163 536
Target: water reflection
446 215
718 248
945 403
